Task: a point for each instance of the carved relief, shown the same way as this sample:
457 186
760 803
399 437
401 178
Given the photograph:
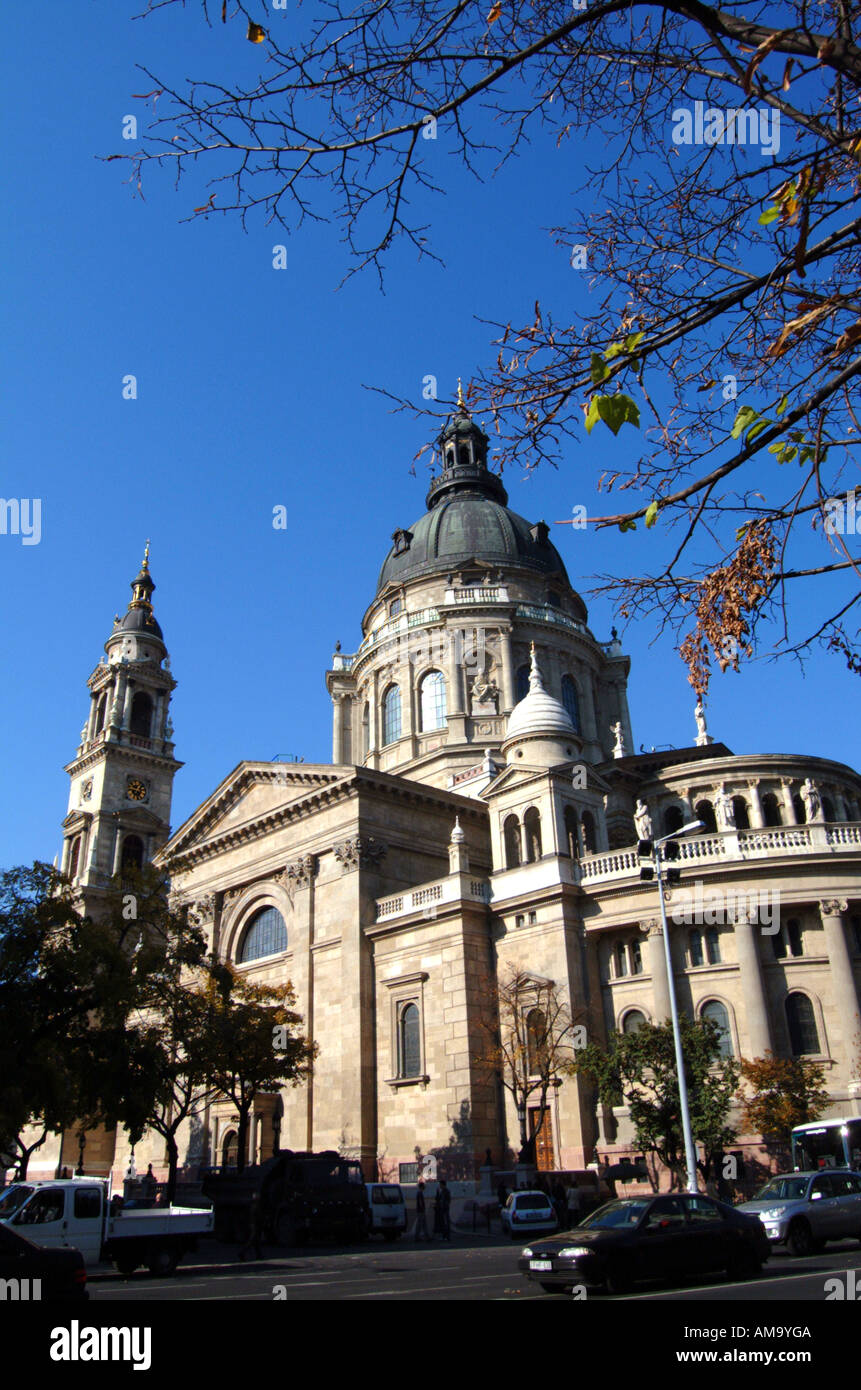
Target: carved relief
833 907
363 850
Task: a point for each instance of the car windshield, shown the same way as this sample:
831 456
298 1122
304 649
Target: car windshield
789 1189
386 1196
624 1213
532 1201
13 1198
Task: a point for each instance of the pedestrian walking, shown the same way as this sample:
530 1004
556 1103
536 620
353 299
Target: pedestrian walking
444 1197
560 1202
421 1231
255 1228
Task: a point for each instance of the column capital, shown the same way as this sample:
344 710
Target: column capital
833 907
651 927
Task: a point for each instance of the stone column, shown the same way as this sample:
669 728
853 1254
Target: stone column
757 820
64 860
337 728
118 840
658 970
843 990
128 694
752 986
373 714
507 664
789 808
588 712
455 648
91 722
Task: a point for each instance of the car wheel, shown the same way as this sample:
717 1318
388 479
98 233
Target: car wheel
127 1266
800 1239
553 1288
163 1262
619 1277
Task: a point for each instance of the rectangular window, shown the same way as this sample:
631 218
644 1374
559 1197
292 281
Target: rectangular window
408 1172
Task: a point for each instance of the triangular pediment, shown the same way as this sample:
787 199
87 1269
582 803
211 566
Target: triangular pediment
518 774
252 792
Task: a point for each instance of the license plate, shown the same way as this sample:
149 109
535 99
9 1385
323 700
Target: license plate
543 1265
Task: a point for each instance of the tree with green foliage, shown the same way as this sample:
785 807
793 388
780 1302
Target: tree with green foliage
638 1070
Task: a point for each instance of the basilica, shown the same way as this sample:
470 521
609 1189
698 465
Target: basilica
480 815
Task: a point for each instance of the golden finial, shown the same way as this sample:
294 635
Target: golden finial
460 400
146 557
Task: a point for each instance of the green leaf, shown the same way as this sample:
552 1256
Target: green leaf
783 404
745 417
757 429
614 350
627 525
770 215
651 514
616 411
598 369
633 341
592 415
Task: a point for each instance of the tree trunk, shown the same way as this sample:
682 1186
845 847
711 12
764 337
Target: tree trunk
242 1135
172 1164
26 1154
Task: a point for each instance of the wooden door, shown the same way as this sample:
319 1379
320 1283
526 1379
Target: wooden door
544 1155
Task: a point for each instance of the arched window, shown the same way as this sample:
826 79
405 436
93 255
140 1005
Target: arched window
794 937
74 856
102 712
432 700
621 954
706 813
532 827
230 1149
141 716
695 948
803 1036
536 1041
570 701
571 835
716 1011
800 809
740 813
266 935
712 946
828 808
771 813
673 819
366 730
511 832
636 958
133 852
409 1042
521 688
395 607
587 823
391 715
633 1021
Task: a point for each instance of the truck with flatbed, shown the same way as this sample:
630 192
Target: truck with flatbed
78 1213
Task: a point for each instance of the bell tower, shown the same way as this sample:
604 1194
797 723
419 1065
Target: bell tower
122 774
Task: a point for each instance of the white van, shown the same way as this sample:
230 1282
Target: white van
388 1209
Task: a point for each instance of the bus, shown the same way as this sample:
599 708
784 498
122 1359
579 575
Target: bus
827 1144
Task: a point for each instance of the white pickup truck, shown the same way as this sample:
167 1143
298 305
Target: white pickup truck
76 1212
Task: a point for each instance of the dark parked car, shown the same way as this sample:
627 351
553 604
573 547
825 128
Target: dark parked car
635 1238
30 1272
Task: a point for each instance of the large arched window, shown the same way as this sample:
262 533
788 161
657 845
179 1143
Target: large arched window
570 701
536 1041
141 716
800 809
673 820
801 1021
587 823
432 700
828 808
633 1021
771 813
716 1011
101 713
409 1041
705 812
522 683
532 828
133 852
366 730
74 856
511 832
266 935
392 715
230 1149
741 815
571 835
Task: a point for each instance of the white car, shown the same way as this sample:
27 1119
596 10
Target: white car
388 1209
528 1211
804 1210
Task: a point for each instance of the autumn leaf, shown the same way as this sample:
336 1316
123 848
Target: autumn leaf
495 12
207 206
256 32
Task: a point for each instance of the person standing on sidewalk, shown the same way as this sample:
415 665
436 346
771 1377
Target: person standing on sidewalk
444 1199
421 1231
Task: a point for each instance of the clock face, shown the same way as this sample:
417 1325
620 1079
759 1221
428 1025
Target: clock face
136 789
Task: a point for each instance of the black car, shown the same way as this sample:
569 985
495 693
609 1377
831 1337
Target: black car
31 1272
635 1238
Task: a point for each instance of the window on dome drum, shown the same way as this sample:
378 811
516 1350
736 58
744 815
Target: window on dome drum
141 716
102 711
511 833
74 856
554 600
828 808
771 813
712 946
536 1040
705 812
716 1011
621 959
133 852
740 813
532 827
409 1042
801 1021
587 825
395 607
571 832
633 1021
266 935
366 730
392 715
636 958
569 700
432 700
673 820
695 948
522 683
800 811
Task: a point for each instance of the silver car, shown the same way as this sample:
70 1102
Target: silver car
804 1210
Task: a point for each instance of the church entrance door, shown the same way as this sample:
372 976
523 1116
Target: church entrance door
544 1155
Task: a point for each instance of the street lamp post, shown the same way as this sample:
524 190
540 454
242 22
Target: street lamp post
690 1151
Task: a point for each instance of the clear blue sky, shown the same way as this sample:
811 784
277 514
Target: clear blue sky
251 393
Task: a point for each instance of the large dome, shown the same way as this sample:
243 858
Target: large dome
467 518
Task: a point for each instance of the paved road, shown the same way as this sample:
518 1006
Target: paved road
471 1268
